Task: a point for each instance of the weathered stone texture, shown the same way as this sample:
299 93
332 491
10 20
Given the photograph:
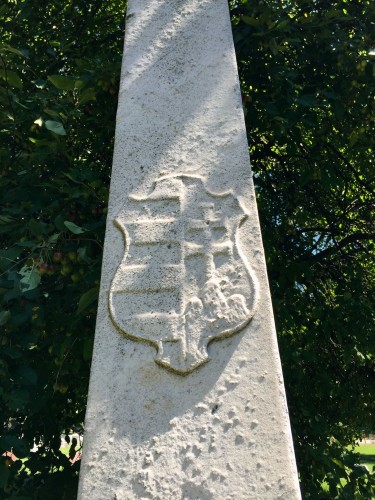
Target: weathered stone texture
186 395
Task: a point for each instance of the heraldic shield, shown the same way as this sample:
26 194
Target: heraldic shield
183 281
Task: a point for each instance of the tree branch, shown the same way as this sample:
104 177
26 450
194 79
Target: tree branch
352 238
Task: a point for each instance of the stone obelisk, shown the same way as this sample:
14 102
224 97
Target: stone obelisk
186 396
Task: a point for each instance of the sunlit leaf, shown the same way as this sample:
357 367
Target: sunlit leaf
87 299
8 48
11 78
62 82
56 127
30 278
73 228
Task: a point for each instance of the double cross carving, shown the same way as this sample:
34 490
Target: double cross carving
207 245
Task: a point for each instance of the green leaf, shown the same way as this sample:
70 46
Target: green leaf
87 95
78 84
7 219
307 100
4 317
73 228
30 278
54 238
250 20
338 463
8 48
87 298
61 82
56 127
50 112
273 46
37 227
11 77
59 223
82 254
283 24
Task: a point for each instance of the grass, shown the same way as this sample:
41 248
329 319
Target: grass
367 457
367 454
65 450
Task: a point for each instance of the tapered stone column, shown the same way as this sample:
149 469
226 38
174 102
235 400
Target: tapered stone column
186 395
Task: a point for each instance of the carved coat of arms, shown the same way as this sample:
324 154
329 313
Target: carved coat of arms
183 281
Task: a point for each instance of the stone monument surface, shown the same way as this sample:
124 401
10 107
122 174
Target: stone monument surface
186 396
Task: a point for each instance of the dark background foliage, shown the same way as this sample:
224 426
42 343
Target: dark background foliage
306 74
307 78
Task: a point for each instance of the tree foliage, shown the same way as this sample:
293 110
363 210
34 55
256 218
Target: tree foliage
60 64
305 70
306 74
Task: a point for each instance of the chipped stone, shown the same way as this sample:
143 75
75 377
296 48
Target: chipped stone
254 424
185 348
239 439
